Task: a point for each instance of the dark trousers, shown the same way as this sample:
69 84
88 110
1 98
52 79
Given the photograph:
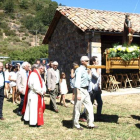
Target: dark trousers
96 95
1 101
21 103
53 95
57 90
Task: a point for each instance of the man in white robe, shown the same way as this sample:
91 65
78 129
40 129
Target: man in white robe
31 112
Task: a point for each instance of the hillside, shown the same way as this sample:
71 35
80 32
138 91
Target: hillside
23 23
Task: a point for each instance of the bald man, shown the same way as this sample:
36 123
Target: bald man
2 79
83 77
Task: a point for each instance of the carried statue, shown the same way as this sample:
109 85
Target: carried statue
128 31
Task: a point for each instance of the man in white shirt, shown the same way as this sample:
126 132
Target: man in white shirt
22 77
57 73
2 81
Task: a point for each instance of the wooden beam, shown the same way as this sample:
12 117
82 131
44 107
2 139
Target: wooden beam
134 35
124 67
93 66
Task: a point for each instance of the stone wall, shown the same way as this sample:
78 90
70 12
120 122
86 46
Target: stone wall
68 43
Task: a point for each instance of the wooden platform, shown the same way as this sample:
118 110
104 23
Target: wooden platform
118 63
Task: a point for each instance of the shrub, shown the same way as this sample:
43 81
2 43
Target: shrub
23 38
22 30
9 6
4 25
1 4
23 4
30 54
16 39
12 16
9 33
26 34
38 6
1 33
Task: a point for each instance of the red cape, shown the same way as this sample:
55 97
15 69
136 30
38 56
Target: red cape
41 107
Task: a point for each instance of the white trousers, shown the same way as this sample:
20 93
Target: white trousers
31 108
85 99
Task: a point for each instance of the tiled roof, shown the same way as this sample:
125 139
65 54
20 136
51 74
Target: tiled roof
97 20
87 19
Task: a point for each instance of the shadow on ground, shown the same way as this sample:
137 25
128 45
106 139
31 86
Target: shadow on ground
67 123
104 118
15 110
135 117
67 101
107 118
10 100
137 125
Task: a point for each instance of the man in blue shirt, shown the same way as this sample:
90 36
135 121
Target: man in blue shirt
2 81
94 89
82 79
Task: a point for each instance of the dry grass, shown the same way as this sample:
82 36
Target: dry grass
121 122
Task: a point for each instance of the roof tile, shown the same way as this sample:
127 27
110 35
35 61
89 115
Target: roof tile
98 19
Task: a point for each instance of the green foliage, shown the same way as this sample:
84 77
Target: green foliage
15 39
33 1
47 13
1 32
33 24
4 25
30 54
9 33
23 4
12 16
6 29
42 19
1 4
60 4
23 38
39 6
9 6
34 15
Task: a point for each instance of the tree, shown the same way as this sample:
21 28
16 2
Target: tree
60 4
39 6
9 6
47 13
42 19
33 23
30 54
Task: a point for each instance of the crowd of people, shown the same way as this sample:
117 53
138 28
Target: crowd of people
29 84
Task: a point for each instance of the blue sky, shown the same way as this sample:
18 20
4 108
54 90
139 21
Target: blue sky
131 6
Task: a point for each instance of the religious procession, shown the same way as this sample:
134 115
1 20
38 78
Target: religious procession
30 84
79 80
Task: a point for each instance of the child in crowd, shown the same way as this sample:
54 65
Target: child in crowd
63 88
12 79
